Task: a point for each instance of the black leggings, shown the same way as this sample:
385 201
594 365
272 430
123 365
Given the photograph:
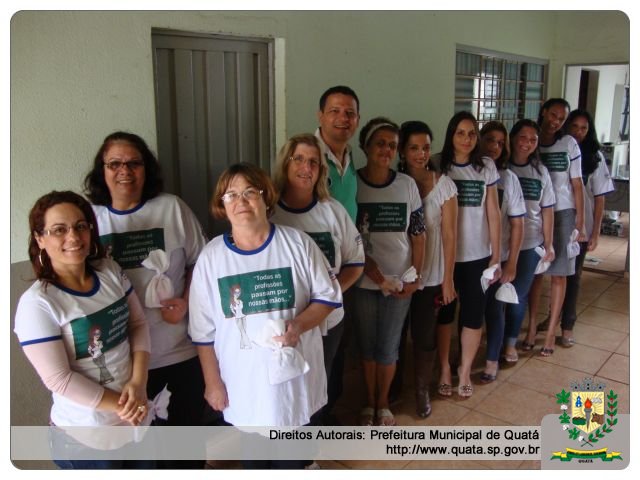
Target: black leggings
423 318
466 278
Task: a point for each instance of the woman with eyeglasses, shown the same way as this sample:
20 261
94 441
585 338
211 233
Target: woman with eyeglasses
390 209
287 289
136 220
62 320
304 203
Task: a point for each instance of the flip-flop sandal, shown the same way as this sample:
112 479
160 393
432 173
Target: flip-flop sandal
445 390
546 352
511 357
465 391
567 342
487 378
367 416
527 347
385 418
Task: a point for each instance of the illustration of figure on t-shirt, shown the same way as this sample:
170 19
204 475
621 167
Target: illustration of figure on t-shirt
95 350
241 320
365 234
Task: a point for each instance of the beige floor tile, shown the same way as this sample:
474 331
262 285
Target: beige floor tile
477 419
619 288
598 337
605 318
444 412
623 349
580 358
616 368
545 377
613 302
518 405
445 465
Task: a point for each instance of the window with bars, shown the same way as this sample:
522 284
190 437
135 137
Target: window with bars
499 88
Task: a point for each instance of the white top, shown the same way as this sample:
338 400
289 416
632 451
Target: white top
331 228
538 193
384 214
433 269
473 226
58 313
563 160
276 281
164 222
599 183
511 205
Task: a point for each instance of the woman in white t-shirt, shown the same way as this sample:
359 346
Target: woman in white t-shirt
561 155
136 219
494 144
597 183
287 288
438 193
62 323
390 202
478 238
304 203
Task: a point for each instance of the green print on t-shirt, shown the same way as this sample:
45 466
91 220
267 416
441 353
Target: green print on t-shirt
555 161
382 217
470 192
257 292
129 249
531 188
101 331
324 241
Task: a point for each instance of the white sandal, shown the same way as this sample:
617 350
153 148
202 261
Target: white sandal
366 416
385 418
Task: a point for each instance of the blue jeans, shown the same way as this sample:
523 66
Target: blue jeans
527 262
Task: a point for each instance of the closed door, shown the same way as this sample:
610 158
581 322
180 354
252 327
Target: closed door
213 109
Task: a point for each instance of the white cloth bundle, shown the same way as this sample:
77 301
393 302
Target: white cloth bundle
507 293
573 247
285 363
393 283
160 287
487 276
542 265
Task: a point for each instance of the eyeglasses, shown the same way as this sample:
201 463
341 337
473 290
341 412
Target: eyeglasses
299 160
249 194
63 230
115 165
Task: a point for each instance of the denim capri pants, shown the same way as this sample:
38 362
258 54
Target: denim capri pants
379 321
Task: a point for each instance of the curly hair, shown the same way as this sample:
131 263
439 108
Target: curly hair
40 261
95 186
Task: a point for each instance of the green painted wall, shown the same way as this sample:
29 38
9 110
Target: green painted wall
77 76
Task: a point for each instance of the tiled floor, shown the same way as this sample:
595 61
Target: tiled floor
601 351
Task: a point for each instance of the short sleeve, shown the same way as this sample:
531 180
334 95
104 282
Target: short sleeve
351 249
446 189
325 288
600 179
548 197
575 168
35 321
491 175
202 327
516 206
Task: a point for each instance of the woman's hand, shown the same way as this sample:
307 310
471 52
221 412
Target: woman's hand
509 273
215 394
174 309
550 254
133 402
448 292
498 273
593 242
407 290
291 337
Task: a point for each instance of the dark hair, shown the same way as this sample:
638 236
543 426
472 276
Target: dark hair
364 138
550 103
589 147
95 186
495 126
534 157
408 128
341 89
255 176
39 259
447 155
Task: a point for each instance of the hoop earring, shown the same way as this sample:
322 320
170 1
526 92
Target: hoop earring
40 257
96 252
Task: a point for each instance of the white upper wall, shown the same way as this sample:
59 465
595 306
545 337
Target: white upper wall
78 76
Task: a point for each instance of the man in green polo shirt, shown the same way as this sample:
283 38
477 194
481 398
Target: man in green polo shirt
338 117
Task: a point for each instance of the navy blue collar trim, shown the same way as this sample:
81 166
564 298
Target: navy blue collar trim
126 212
93 291
461 165
286 208
511 162
386 184
232 247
